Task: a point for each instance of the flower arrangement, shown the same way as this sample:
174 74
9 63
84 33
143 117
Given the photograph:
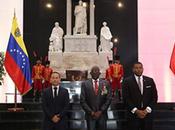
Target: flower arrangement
2 71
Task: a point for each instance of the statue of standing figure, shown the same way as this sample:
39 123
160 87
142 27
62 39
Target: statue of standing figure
105 39
56 39
80 19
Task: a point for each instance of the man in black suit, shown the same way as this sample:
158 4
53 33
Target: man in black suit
140 96
55 102
95 99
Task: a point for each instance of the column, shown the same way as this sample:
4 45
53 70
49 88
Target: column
92 17
69 17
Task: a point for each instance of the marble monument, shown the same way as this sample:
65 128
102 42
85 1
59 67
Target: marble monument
105 38
56 39
80 46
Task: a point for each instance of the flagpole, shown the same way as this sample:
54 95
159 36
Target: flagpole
15 98
14 13
15 108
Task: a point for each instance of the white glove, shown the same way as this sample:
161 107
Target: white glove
43 81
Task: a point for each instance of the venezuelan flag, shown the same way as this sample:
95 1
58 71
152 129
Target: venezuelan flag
17 61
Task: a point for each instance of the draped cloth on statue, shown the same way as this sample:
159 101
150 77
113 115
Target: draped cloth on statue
105 38
80 19
56 37
105 32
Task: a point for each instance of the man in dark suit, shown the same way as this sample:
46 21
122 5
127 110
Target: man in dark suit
140 96
55 102
95 99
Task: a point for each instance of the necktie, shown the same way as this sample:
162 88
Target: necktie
96 87
139 84
55 92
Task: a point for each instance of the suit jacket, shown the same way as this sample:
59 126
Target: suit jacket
91 102
52 106
133 97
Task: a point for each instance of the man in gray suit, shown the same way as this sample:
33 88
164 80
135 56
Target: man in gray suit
95 98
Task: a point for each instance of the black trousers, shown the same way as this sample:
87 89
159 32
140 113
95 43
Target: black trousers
135 123
96 124
62 125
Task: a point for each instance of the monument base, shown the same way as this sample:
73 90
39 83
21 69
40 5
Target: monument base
79 61
55 58
80 43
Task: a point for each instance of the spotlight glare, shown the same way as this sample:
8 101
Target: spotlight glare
115 40
120 4
49 5
84 4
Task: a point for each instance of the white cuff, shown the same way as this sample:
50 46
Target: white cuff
134 110
148 109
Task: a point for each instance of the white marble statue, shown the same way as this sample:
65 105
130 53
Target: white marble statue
56 39
80 19
105 39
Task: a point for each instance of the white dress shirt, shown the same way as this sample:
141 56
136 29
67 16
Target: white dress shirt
93 81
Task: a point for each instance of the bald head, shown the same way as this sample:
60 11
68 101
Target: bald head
95 72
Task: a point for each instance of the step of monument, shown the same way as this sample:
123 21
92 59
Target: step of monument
116 124
77 106
21 125
25 115
164 114
80 114
112 114
121 114
34 106
165 106
111 125
164 124
159 106
37 124
163 128
72 114
31 118
26 106
81 125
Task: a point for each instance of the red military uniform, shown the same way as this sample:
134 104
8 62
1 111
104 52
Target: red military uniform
37 76
117 74
108 75
46 75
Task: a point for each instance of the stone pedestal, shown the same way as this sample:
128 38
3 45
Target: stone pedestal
79 61
55 58
80 43
103 60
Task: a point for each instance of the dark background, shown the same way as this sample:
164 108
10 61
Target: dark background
39 21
